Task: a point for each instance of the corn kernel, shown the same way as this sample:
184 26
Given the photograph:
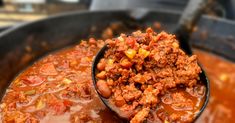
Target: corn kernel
130 53
144 53
110 61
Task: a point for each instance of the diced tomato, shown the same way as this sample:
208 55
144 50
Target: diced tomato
33 80
57 107
130 42
68 103
48 69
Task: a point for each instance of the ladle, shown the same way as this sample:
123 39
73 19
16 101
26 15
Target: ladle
183 30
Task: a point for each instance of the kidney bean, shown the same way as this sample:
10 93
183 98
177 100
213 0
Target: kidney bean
101 65
101 75
103 88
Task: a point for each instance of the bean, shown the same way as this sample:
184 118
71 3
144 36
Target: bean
101 65
126 63
119 101
103 88
101 75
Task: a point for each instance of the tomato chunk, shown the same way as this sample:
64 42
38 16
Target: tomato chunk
57 107
48 69
33 80
130 42
68 103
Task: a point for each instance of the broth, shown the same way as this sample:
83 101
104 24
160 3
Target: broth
221 73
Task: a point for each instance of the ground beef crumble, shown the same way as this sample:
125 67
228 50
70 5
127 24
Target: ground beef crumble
139 68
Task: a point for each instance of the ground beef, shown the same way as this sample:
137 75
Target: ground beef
139 68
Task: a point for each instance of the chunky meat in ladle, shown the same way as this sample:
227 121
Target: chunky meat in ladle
137 75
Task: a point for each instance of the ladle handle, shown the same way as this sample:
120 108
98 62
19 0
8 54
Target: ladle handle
192 13
188 19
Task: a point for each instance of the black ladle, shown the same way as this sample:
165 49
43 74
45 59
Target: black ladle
190 16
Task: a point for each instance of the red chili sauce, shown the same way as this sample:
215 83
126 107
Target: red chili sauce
221 73
57 89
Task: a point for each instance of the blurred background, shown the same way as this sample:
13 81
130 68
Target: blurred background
18 11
